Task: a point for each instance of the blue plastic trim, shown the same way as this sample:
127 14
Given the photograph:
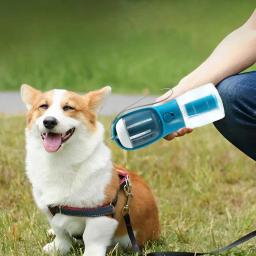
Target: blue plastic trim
172 124
168 115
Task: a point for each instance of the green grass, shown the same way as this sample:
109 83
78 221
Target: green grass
132 45
205 188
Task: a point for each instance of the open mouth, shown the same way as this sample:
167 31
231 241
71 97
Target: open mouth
53 141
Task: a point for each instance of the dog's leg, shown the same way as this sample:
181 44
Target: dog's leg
98 235
62 241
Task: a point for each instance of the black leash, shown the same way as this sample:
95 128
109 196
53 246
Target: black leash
239 241
137 249
226 248
135 246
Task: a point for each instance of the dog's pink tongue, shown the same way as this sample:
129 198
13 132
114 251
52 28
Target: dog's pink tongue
52 142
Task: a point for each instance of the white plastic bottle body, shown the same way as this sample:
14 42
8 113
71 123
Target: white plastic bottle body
207 114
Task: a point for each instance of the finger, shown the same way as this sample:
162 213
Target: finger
184 131
181 132
171 136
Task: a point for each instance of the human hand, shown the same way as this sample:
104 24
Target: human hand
179 133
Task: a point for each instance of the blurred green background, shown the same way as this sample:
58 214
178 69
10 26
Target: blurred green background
135 46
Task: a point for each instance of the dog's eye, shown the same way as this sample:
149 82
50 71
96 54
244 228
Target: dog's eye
44 106
68 108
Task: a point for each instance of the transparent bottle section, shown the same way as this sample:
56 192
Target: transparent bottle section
143 127
201 106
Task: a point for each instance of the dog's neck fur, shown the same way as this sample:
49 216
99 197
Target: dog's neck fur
77 175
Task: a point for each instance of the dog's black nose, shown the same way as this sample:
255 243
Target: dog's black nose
50 122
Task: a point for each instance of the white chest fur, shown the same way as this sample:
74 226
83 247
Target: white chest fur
77 175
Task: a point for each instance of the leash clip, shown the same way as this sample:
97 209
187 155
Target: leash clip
128 193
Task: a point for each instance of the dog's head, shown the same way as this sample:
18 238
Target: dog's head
56 116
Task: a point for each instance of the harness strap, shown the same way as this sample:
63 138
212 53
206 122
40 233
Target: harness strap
83 212
105 210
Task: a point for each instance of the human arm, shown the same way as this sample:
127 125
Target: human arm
234 54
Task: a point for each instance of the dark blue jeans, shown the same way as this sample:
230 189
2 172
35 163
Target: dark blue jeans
238 93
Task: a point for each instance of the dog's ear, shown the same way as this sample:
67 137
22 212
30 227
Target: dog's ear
96 98
28 95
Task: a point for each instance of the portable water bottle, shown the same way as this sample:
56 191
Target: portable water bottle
142 126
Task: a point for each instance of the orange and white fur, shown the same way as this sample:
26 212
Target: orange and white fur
68 163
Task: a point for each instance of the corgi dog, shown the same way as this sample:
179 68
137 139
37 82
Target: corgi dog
68 164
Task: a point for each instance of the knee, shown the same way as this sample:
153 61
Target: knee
231 87
228 91
238 94
239 91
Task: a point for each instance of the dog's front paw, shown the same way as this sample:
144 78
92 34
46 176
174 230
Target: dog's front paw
57 246
95 250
